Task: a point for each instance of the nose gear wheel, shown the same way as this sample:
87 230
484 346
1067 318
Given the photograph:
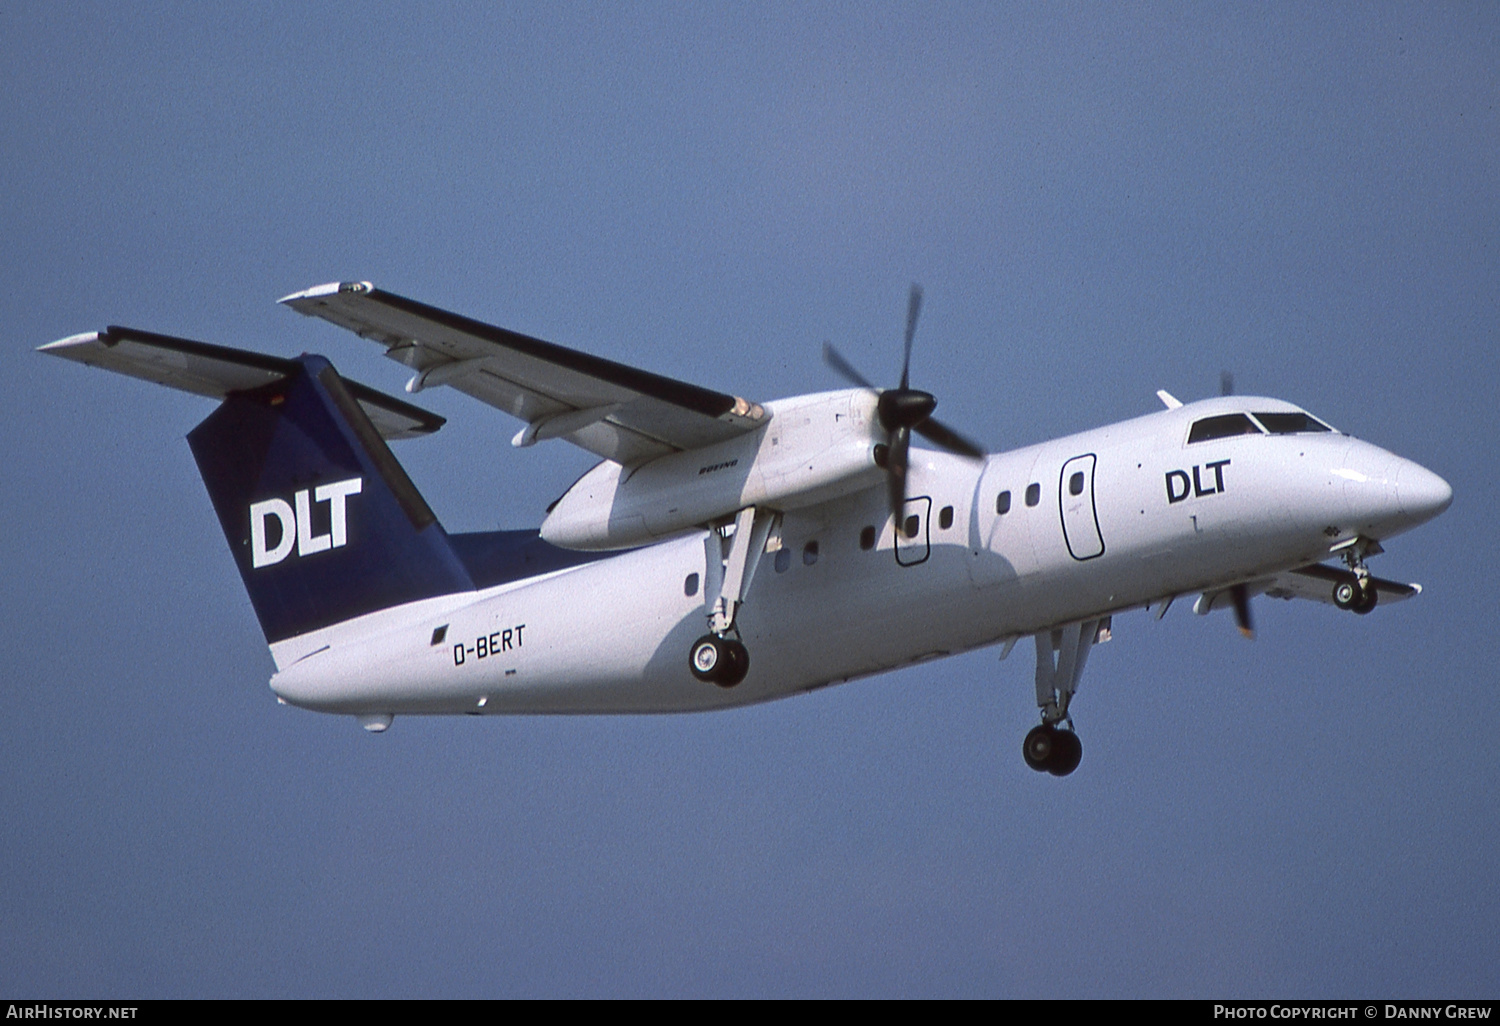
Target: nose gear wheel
1347 595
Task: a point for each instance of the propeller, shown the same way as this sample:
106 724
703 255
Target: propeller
1240 596
901 411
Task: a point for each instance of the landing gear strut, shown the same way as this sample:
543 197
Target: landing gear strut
719 657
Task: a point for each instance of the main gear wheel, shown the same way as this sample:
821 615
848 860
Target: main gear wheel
1048 749
718 660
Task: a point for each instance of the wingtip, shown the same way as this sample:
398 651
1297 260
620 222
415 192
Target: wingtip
65 345
329 289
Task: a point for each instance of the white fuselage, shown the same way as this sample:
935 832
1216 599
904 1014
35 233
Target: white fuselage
1153 517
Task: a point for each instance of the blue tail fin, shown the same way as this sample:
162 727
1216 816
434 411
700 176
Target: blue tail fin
323 522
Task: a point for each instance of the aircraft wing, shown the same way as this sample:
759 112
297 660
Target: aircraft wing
215 371
618 412
1313 582
1316 582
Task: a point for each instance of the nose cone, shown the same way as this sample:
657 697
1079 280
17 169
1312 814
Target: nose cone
1423 495
1385 494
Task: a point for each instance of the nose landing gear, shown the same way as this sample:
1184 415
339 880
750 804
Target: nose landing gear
1358 595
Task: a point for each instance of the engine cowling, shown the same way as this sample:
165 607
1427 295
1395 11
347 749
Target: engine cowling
813 448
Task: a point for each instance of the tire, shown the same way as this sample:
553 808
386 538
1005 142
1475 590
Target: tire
716 660
1346 594
735 665
706 658
1067 753
1038 747
1366 601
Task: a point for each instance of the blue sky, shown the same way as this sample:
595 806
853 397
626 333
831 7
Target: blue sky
1100 201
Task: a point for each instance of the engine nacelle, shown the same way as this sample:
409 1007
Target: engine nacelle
812 449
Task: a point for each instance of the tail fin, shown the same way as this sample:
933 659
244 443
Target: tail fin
322 521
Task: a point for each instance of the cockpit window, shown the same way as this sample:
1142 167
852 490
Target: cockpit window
1224 426
1291 423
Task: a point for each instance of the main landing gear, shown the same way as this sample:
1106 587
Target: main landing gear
1358 595
1049 748
720 657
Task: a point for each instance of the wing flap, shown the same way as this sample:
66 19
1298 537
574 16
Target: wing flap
216 371
535 380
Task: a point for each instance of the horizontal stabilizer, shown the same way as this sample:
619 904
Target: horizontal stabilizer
218 371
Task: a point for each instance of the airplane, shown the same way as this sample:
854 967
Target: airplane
865 552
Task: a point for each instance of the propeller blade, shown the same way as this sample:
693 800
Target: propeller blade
832 357
913 309
1241 597
945 436
895 473
1226 383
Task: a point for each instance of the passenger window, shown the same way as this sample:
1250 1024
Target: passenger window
1075 484
867 539
1291 423
690 586
913 525
439 633
1033 494
810 553
1002 503
1226 426
945 518
783 560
